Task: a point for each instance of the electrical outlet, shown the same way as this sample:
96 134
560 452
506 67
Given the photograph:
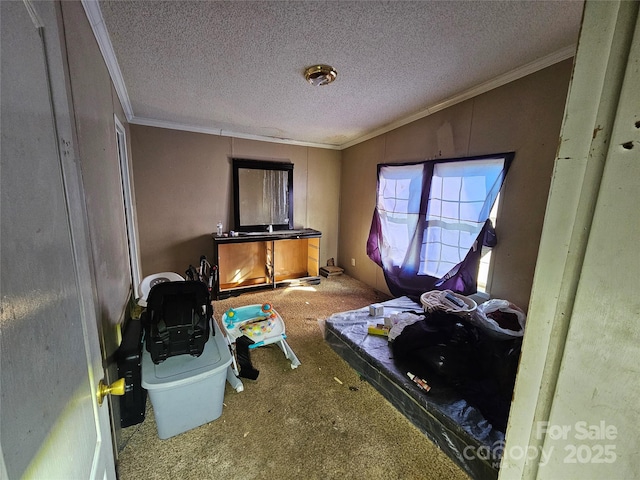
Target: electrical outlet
353 262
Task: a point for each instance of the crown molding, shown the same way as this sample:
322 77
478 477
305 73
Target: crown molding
94 15
151 122
479 89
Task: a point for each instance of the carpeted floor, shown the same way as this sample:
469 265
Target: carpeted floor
318 421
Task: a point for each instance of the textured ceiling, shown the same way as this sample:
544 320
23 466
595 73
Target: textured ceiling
236 68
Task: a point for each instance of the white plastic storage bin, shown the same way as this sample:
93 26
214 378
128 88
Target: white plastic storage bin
187 391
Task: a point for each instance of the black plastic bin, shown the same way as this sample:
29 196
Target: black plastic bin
128 358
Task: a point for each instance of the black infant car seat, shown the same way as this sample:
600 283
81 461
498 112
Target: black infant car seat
177 320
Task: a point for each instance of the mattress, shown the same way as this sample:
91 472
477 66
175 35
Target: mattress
447 419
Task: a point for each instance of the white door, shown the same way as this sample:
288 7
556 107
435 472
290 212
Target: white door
50 362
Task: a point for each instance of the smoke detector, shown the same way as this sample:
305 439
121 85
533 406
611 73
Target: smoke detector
319 75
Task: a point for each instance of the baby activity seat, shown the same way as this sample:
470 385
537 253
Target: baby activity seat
254 326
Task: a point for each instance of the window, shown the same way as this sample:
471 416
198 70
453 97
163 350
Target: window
429 225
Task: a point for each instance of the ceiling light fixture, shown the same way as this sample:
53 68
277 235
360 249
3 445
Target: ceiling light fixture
319 75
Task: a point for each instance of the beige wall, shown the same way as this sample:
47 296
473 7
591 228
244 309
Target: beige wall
523 116
184 187
323 198
94 108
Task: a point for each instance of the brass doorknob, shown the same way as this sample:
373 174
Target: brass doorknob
116 388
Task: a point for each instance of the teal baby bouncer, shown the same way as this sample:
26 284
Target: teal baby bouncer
254 326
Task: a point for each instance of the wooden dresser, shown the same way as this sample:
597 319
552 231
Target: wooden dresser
257 260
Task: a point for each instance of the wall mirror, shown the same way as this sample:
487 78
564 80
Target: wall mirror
262 195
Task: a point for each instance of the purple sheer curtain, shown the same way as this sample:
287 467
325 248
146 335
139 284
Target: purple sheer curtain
431 221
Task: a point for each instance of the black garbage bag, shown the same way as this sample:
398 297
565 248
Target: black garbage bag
446 349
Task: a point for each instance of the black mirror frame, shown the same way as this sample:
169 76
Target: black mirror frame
242 163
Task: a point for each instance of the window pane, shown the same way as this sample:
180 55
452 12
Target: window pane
460 193
471 211
398 206
451 188
450 210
